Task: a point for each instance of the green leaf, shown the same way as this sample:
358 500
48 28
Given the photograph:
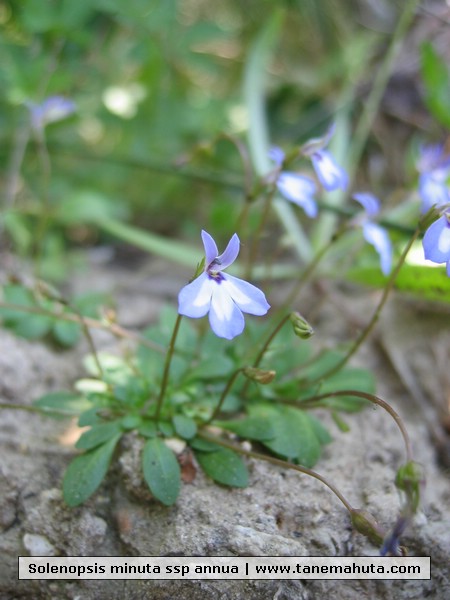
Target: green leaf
89 417
97 435
72 404
166 428
252 428
427 283
66 332
436 78
185 427
224 466
164 247
203 445
131 421
296 434
86 472
161 471
148 429
33 327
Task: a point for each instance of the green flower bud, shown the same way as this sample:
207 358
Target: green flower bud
259 375
366 524
302 328
409 479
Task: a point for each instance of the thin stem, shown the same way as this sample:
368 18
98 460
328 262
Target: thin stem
279 463
304 277
263 350
167 364
35 409
376 315
113 328
225 391
46 206
314 400
381 79
87 334
257 235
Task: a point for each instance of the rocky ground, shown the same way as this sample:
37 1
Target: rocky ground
280 513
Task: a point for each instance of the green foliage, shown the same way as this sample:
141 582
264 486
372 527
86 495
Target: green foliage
420 281
297 436
436 77
36 315
224 466
161 471
86 472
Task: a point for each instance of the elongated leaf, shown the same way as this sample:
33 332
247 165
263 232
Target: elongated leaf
428 283
436 77
184 426
252 428
161 471
72 404
203 445
86 472
97 435
296 434
66 332
164 247
224 466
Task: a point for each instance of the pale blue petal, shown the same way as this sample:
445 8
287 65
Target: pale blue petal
225 318
317 144
211 251
330 174
51 110
194 299
433 190
300 190
277 155
230 254
378 237
436 241
248 297
369 202
432 158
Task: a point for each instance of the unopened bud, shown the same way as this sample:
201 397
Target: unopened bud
259 375
302 328
366 524
409 479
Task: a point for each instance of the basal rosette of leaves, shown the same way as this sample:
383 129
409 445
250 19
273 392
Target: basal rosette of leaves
118 395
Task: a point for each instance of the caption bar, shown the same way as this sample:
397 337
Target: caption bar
223 567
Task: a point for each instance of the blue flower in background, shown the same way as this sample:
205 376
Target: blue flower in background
331 175
436 241
223 296
373 233
298 189
434 168
52 109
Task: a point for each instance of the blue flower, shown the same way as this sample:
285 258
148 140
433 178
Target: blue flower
434 168
223 296
331 175
373 233
296 188
436 241
54 108
391 543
